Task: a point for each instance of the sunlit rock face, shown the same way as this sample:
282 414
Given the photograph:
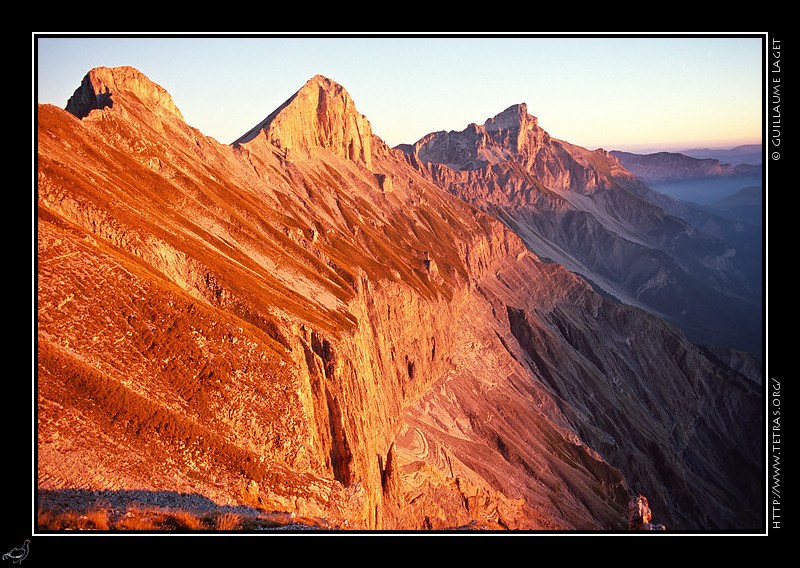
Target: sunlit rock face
303 322
321 115
640 516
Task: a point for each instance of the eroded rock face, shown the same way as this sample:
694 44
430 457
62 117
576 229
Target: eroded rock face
101 85
640 517
327 332
321 115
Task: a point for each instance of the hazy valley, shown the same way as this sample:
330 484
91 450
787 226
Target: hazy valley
489 328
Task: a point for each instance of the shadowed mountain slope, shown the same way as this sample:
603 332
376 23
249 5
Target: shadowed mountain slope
583 210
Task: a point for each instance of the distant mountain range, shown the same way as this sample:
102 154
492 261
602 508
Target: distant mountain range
739 155
692 164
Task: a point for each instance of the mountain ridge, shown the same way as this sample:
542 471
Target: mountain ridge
326 332
671 166
584 210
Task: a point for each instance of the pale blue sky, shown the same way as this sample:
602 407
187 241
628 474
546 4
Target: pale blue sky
651 92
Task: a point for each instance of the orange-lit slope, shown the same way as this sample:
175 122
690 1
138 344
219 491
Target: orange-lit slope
300 322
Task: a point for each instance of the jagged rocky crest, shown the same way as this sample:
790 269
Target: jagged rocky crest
321 115
582 209
306 322
99 86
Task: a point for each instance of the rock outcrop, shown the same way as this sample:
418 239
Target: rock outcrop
326 332
101 85
640 517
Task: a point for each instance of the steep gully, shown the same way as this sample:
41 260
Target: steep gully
308 324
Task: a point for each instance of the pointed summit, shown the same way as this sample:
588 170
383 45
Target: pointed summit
510 135
320 115
516 130
515 116
103 87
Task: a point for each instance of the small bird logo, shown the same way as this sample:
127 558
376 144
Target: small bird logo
17 555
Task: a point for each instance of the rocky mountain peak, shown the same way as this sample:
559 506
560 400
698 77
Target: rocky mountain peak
322 115
103 87
514 128
512 134
514 117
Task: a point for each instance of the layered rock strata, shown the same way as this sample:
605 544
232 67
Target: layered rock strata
325 332
583 210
